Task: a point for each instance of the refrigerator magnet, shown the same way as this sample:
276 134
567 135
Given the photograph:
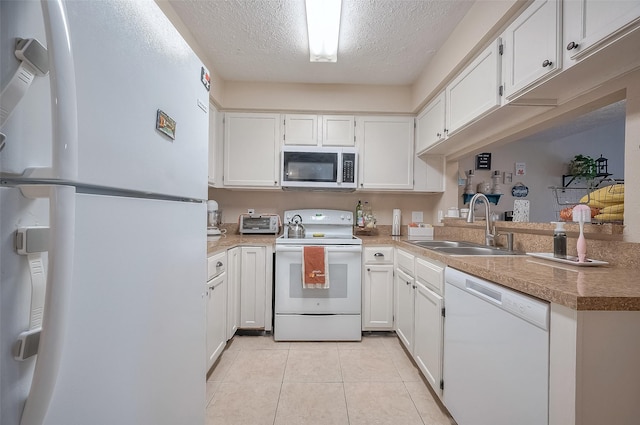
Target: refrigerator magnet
166 124
205 78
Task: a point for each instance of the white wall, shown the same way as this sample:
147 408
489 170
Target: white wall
546 161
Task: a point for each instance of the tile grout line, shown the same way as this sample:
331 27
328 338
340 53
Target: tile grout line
286 362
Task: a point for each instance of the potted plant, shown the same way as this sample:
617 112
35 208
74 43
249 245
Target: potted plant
583 166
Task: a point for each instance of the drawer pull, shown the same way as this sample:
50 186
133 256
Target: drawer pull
378 254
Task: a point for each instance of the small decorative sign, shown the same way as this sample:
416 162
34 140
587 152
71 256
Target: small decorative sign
166 124
521 168
483 161
519 190
205 78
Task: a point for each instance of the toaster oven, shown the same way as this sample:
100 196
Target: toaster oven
259 223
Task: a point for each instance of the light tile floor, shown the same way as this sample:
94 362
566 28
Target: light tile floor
259 381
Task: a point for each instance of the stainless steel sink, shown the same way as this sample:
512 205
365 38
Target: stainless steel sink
463 248
476 250
441 244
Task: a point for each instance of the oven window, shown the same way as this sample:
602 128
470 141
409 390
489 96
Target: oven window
313 167
337 283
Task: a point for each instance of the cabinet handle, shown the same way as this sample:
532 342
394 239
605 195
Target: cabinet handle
546 63
219 264
438 134
378 254
414 286
572 45
368 269
408 283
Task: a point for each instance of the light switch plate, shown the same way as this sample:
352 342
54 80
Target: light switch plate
417 216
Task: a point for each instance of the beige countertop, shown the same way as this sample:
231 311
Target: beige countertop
579 288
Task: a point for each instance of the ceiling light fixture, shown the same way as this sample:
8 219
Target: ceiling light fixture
323 25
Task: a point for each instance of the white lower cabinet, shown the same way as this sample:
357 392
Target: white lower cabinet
377 290
419 313
254 275
216 311
429 320
427 350
404 312
233 291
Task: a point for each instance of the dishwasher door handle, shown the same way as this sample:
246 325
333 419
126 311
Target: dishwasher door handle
483 291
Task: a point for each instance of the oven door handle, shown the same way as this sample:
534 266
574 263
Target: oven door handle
330 248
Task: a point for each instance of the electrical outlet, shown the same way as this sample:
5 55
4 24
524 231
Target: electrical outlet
417 216
251 211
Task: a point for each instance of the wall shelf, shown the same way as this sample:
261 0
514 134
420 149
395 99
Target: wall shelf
493 198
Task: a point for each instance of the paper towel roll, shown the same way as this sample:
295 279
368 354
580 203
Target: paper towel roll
395 226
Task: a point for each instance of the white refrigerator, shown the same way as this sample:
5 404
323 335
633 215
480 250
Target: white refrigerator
103 163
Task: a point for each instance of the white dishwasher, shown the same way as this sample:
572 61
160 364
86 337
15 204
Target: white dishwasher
496 353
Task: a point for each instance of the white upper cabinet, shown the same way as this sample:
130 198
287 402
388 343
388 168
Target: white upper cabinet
532 47
474 92
429 173
338 130
430 124
385 145
300 129
251 150
592 24
215 146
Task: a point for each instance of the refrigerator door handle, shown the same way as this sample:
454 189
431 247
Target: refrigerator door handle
64 109
62 206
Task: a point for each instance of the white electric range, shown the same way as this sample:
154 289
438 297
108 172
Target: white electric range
313 314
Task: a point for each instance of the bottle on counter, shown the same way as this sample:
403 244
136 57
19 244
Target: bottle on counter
359 215
559 241
367 216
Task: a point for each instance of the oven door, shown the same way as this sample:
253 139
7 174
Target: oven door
343 294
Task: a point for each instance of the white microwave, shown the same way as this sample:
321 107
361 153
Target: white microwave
319 168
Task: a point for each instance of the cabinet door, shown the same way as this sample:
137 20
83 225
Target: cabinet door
474 92
338 130
216 317
531 46
300 129
591 24
429 173
404 308
430 124
251 150
430 273
377 297
215 147
386 152
429 335
233 291
252 287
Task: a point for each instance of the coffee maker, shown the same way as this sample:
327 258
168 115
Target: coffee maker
214 218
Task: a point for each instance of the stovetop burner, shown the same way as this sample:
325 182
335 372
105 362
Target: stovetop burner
322 227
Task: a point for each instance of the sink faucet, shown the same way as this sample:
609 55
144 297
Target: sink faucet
489 237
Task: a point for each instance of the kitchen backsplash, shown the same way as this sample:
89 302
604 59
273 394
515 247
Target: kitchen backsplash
236 202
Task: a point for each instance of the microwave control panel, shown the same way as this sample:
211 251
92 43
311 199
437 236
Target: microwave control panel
348 167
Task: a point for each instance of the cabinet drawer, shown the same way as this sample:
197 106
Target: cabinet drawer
378 255
431 273
405 261
216 264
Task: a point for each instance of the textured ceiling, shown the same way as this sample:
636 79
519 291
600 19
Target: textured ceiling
381 41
